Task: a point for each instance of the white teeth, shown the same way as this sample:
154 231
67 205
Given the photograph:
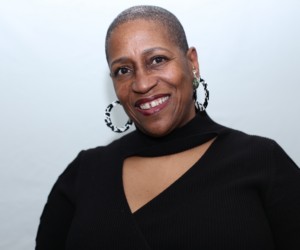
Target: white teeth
149 105
145 106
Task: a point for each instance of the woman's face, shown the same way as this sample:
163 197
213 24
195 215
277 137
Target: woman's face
152 77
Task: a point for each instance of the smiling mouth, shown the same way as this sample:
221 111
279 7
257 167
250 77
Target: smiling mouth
152 105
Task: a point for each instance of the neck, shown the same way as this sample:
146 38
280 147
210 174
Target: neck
197 131
162 128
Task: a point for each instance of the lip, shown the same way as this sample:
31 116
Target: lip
155 110
149 99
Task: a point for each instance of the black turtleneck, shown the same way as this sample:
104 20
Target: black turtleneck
243 193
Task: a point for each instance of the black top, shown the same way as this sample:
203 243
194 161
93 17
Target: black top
243 193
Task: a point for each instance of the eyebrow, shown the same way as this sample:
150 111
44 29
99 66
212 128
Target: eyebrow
146 51
121 59
150 50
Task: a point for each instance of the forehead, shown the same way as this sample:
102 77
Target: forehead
133 37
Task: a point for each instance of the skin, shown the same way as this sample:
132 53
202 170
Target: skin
146 177
143 62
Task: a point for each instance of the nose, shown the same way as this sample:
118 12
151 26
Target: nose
143 82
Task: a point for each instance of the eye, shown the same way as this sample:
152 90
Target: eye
158 60
121 71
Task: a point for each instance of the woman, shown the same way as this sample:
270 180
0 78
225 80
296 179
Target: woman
180 181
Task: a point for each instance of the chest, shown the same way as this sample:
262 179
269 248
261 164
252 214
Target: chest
215 204
209 207
144 178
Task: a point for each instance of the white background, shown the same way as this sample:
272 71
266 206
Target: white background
55 86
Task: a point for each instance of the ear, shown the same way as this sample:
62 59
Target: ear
192 58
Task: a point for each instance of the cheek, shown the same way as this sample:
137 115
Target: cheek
123 93
179 80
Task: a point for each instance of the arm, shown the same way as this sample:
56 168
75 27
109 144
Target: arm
283 201
59 210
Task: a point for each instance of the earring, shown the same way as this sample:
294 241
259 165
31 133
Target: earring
108 120
196 83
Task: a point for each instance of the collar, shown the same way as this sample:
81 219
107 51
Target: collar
197 131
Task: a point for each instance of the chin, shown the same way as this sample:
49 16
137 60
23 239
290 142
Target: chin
157 129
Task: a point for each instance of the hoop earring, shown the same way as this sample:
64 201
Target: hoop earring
196 83
108 120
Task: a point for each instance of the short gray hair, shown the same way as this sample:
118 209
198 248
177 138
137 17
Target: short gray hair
151 13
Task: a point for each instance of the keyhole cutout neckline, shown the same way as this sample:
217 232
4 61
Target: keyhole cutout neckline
139 197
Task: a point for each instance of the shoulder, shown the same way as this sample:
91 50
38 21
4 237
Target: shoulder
239 138
255 149
252 148
104 154
112 148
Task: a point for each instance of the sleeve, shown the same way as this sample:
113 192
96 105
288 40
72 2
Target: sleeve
283 201
58 212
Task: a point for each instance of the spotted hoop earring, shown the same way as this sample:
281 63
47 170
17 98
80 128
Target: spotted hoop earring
108 120
196 82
